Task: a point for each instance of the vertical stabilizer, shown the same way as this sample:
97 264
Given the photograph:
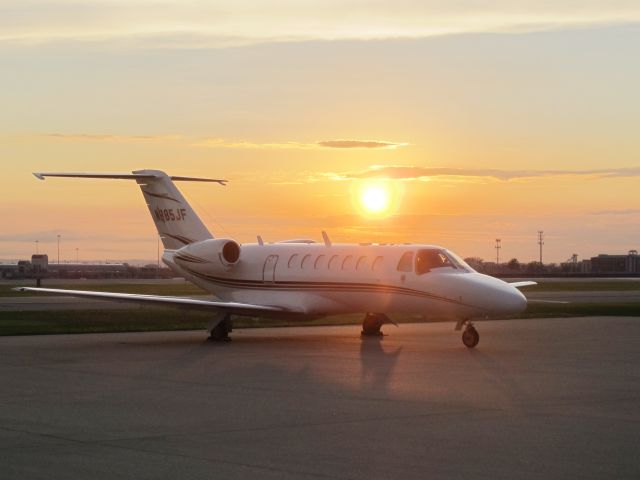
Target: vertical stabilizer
177 223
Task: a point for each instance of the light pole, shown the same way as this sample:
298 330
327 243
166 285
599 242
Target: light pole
498 247
540 242
58 249
37 246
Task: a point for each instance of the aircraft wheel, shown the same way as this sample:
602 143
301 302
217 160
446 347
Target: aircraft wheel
371 325
470 337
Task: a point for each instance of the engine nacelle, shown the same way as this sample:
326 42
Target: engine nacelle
223 250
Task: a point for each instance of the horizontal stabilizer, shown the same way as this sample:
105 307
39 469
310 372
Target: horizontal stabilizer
126 176
180 302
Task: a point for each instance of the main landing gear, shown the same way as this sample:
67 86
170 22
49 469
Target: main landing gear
220 327
373 322
470 336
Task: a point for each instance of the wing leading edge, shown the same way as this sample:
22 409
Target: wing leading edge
179 302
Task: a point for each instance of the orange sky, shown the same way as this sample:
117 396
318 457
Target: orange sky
498 129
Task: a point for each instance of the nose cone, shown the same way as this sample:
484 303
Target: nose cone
496 297
513 301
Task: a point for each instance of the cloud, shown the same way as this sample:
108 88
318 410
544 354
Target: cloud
223 143
399 172
110 138
349 144
216 142
360 144
191 23
626 211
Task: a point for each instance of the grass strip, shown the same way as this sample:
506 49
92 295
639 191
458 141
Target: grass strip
584 286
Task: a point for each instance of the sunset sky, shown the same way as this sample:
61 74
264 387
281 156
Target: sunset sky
487 119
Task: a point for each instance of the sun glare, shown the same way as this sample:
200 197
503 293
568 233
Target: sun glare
375 199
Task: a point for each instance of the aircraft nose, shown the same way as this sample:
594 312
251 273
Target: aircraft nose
499 298
515 301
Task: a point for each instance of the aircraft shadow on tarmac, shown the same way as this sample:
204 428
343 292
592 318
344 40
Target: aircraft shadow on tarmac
230 362
377 363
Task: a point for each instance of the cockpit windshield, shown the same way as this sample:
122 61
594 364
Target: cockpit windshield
431 258
460 263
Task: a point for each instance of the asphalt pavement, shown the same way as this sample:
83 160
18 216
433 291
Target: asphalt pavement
538 398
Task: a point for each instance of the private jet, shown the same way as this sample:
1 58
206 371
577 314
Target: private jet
302 278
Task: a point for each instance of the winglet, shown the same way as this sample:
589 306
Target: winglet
39 176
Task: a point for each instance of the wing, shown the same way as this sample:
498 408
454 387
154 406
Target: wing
535 300
523 284
180 302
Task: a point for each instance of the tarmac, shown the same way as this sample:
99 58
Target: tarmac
538 398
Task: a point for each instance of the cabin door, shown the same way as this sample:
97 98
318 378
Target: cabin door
269 269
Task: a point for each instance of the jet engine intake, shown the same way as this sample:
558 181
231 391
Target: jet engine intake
230 253
222 250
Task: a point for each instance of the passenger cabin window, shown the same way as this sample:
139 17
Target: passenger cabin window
305 261
346 263
292 260
362 263
406 262
333 263
377 263
319 262
427 260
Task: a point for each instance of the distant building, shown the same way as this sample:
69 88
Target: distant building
90 270
39 267
621 264
40 263
585 266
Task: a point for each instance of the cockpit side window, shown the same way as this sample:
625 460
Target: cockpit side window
426 260
406 262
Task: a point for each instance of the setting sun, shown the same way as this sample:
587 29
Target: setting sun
375 199
379 198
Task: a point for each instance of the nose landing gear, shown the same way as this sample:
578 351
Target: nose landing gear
470 336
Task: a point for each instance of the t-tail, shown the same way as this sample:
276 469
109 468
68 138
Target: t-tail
177 223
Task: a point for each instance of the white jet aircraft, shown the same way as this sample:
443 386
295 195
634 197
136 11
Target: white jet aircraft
302 278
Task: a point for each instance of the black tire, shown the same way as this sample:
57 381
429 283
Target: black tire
371 326
221 332
470 337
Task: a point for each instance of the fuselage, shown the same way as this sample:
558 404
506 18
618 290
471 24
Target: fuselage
323 279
